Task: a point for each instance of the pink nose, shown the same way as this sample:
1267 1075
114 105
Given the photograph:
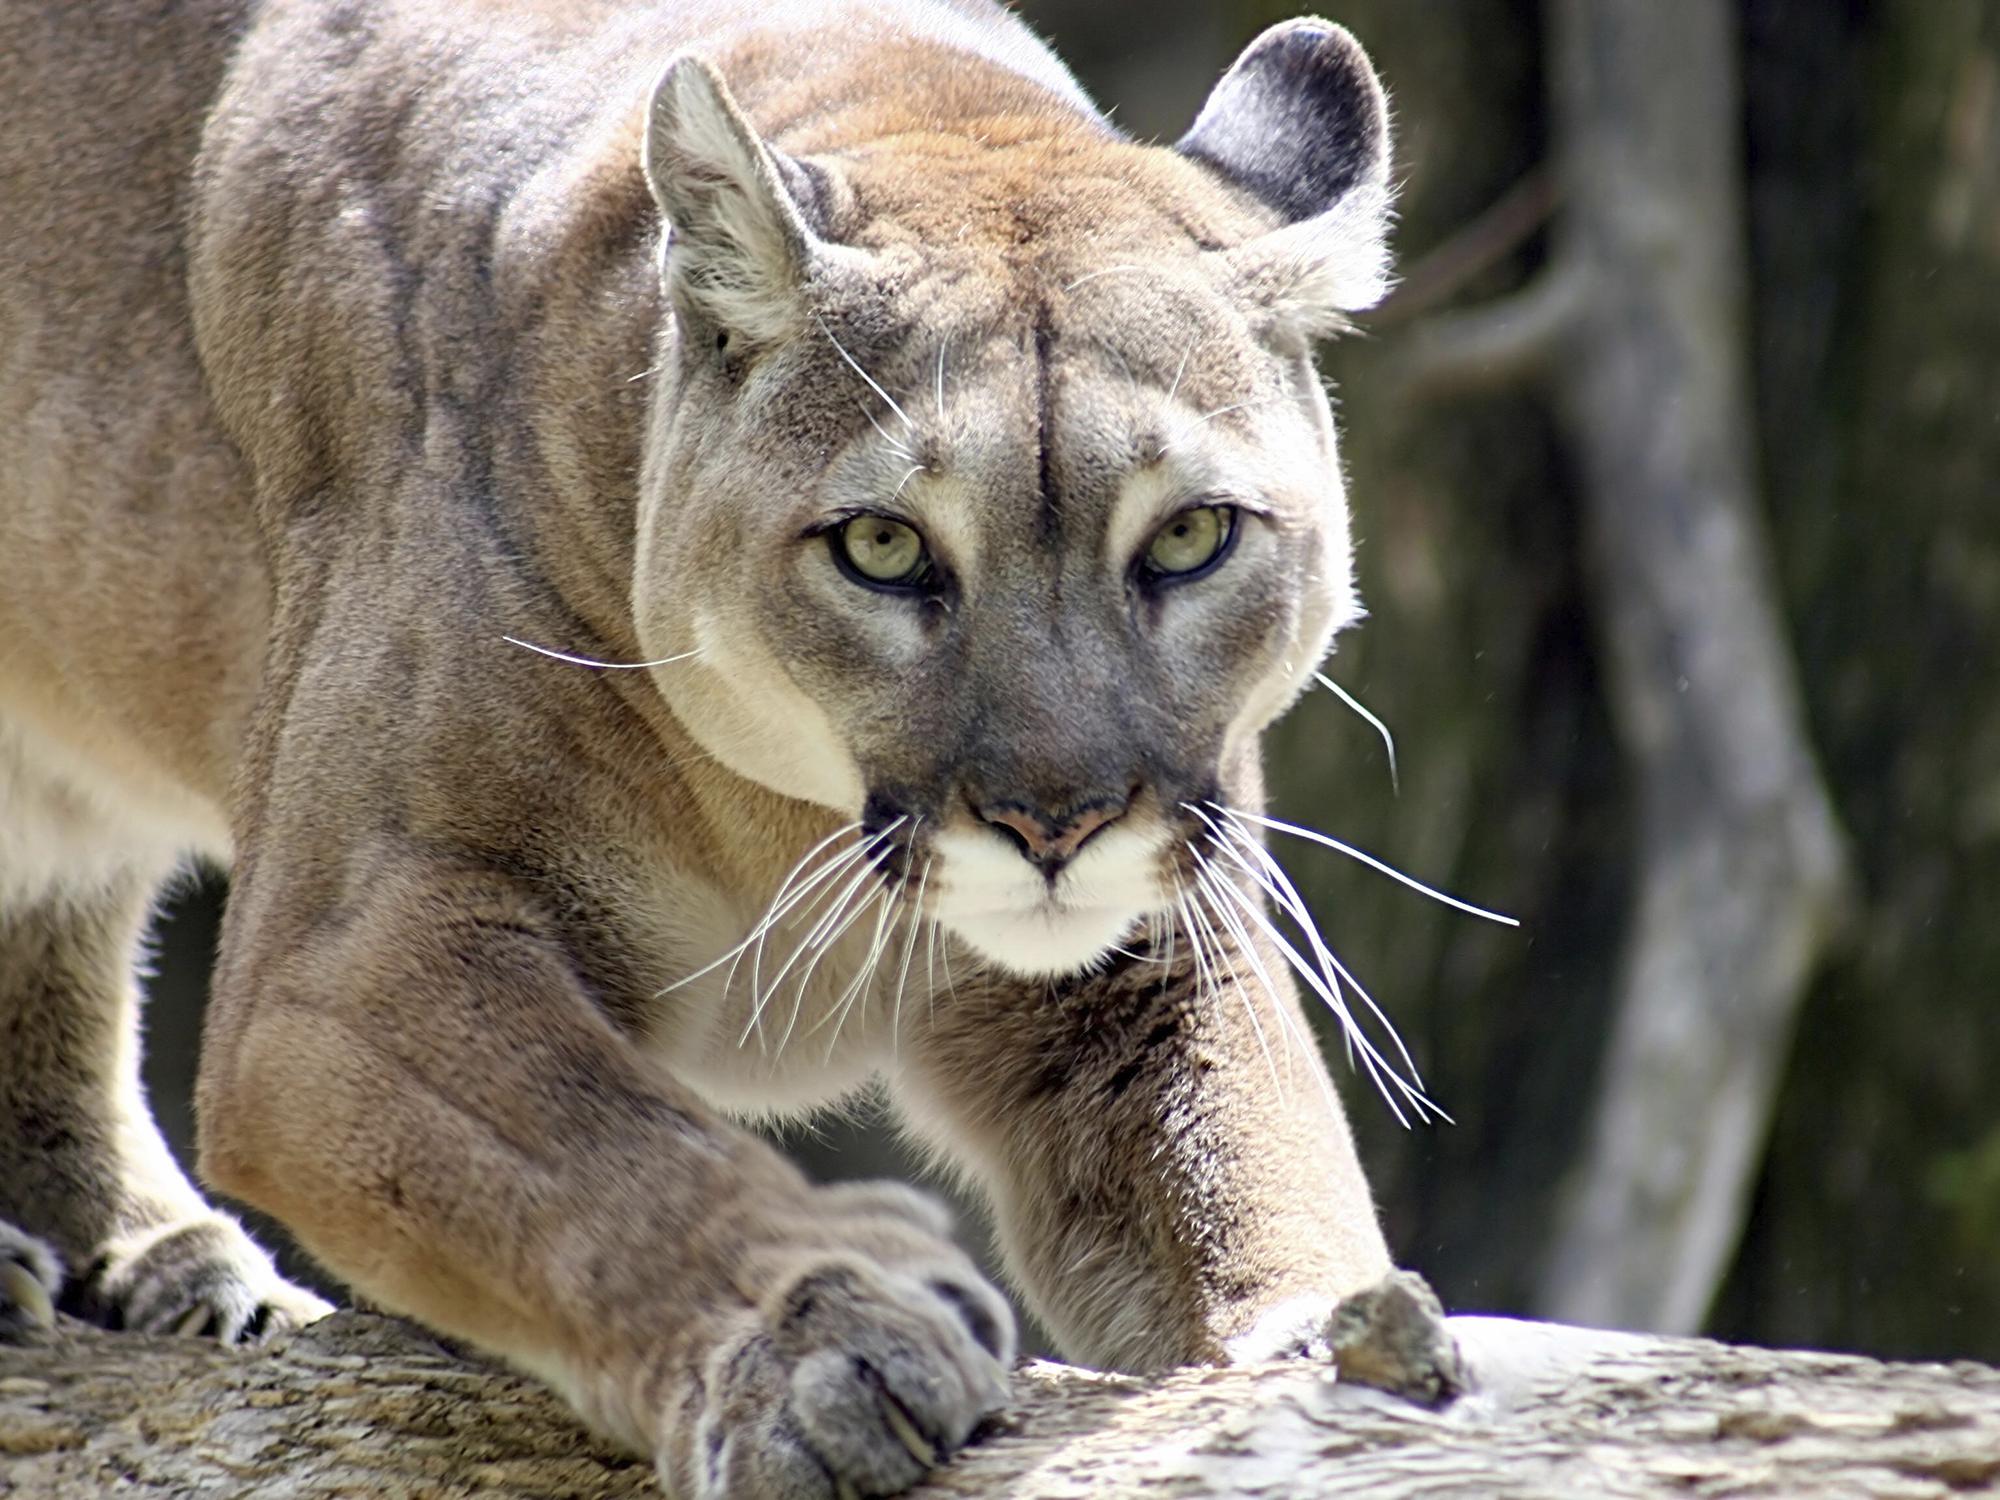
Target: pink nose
1051 844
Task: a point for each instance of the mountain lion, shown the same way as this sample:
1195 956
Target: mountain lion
689 556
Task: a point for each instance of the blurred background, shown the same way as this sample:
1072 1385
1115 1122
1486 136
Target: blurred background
1674 463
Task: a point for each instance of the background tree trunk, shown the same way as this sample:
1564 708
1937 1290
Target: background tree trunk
1739 866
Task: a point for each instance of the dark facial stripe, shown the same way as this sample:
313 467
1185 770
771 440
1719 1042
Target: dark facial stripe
1049 517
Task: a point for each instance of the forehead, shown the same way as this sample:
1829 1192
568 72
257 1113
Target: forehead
1078 240
1044 321
1113 349
1087 350
1040 197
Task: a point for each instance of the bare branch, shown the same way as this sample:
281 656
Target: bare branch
1509 222
1511 341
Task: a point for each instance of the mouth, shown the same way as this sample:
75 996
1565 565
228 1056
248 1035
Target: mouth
1046 940
1023 923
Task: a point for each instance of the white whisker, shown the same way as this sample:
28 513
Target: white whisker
896 445
864 975
1107 271
1313 834
588 661
875 846
1388 739
1204 972
909 951
944 953
1209 416
1325 978
1278 883
853 365
1181 369
827 877
1194 941
823 945
771 914
1379 1070
911 473
1212 874
820 951
863 852
1205 940
930 972
1283 1012
1203 903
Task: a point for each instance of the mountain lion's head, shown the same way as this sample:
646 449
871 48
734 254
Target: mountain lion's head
992 498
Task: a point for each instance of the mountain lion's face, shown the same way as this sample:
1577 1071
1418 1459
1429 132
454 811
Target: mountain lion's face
1000 522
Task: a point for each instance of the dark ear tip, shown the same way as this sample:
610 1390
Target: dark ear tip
1318 55
1315 27
1315 31
1300 119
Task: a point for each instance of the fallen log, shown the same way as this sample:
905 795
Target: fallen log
366 1405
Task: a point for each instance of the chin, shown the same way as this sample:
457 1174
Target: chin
1045 941
1001 908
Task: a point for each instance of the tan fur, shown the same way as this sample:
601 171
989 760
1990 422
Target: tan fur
334 348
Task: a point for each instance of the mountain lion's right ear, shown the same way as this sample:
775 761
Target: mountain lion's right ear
739 247
1301 121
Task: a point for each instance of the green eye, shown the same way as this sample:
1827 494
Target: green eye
1191 541
881 550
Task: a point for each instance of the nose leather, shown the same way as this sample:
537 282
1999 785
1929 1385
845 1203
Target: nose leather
1050 843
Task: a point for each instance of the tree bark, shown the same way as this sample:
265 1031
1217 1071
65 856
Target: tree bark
362 1405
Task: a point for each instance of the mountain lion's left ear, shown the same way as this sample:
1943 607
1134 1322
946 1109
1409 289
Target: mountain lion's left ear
1301 122
740 247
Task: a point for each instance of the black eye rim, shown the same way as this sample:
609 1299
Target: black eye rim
924 580
1155 577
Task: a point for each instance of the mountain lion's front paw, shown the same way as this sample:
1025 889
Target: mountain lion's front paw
1392 1335
862 1371
31 1275
857 1381
202 1276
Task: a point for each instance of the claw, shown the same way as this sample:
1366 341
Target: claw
900 1424
24 1289
195 1320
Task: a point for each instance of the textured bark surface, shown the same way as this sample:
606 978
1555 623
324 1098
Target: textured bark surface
359 1405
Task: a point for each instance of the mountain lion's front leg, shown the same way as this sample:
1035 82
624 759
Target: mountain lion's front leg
1171 1175
415 1081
